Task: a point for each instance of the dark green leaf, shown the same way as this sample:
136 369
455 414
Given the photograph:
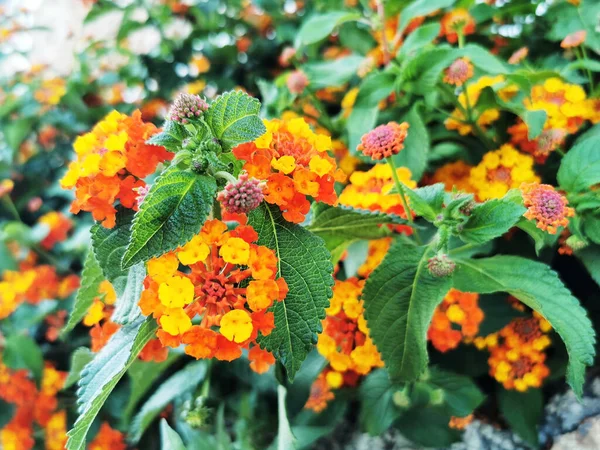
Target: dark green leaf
461 394
22 352
490 220
428 427
233 119
171 214
305 264
523 412
590 257
416 145
539 287
377 409
400 297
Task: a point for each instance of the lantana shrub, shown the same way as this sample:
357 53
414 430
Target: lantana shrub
250 226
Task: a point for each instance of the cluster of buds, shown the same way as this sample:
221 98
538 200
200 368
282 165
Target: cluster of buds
242 195
187 106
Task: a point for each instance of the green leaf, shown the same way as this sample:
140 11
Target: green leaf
540 237
332 73
79 359
126 306
400 297
7 412
461 394
416 145
535 120
319 26
169 439
498 313
342 225
483 59
428 426
377 409
22 352
109 245
91 277
490 220
172 213
523 412
427 201
419 38
175 386
233 119
16 131
421 8
590 257
142 374
170 137
285 437
100 376
305 264
362 119
539 287
580 168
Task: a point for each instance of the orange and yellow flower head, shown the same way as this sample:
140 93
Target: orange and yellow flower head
293 161
369 190
58 228
501 170
218 305
345 341
108 439
455 320
547 207
384 141
111 162
455 22
458 72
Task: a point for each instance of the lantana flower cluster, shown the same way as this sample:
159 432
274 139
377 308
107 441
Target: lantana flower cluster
547 207
293 161
112 161
32 283
455 320
218 303
344 342
33 406
58 225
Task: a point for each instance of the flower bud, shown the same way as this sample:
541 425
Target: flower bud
187 106
241 196
441 266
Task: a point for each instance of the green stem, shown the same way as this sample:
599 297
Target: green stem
589 72
225 176
461 39
216 210
10 206
400 190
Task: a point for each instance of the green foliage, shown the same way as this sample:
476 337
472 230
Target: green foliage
590 257
171 214
461 394
319 26
305 264
91 277
523 412
539 287
126 307
377 409
580 168
340 226
427 201
22 352
400 297
170 137
102 374
332 73
421 8
490 220
169 439
416 145
80 358
175 386
109 245
233 119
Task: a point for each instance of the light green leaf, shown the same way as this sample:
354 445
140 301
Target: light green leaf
332 73
233 119
109 245
100 376
377 409
319 26
580 168
175 386
539 287
419 38
361 121
285 437
483 59
306 266
535 120
172 213
79 359
169 439
142 374
523 412
126 306
400 297
427 201
490 220
342 225
170 137
91 277
421 8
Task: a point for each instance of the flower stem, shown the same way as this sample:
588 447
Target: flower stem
10 206
584 59
402 194
225 176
